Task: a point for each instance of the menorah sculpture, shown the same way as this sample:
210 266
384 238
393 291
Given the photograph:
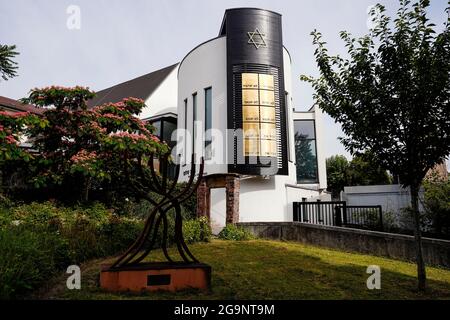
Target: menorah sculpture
129 272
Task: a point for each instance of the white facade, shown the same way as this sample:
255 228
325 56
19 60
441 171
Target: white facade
164 98
261 198
204 67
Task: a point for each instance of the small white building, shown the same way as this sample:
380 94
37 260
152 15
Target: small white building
231 100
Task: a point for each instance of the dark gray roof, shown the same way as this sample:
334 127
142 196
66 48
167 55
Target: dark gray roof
17 106
141 87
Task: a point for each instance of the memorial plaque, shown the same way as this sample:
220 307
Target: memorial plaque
251 130
267 114
266 82
267 98
268 148
251 147
250 113
268 131
250 97
250 81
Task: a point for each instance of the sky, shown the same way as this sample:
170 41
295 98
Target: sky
118 40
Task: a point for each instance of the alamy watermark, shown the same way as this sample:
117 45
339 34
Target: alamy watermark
73 21
374 280
74 280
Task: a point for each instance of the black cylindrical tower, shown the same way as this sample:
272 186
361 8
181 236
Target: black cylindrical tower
256 94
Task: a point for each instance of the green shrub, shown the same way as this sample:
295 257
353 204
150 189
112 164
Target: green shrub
28 258
119 233
39 239
233 232
197 230
437 205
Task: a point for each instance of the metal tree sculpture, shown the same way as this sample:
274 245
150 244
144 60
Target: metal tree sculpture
161 185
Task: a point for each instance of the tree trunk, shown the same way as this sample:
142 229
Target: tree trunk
87 186
421 273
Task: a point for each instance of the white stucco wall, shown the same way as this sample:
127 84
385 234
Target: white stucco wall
205 67
392 198
164 98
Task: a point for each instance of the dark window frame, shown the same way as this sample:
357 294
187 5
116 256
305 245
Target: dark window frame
194 118
316 181
208 141
185 128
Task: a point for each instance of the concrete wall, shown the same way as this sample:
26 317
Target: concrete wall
392 198
402 247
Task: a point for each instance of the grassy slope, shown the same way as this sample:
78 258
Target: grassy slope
261 269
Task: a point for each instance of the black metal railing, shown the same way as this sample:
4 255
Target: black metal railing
338 213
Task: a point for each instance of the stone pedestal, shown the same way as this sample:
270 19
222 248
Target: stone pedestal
156 276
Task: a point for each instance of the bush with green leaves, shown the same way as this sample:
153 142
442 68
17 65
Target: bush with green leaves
437 205
39 239
233 232
197 230
28 258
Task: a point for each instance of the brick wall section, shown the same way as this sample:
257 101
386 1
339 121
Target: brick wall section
203 200
436 252
231 184
232 190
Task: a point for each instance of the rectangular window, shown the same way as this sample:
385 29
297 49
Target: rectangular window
287 111
305 151
208 123
194 118
185 128
259 115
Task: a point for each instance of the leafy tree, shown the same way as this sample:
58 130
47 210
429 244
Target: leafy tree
437 204
8 66
82 146
337 170
391 96
362 171
12 127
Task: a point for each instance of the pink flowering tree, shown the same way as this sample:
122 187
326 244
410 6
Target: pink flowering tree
13 127
83 146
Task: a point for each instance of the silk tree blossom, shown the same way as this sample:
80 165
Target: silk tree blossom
132 136
14 114
83 156
11 140
111 116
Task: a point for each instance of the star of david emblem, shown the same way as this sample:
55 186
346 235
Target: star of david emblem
257 38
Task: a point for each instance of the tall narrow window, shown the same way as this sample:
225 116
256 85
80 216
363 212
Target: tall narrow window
305 151
185 129
194 118
208 123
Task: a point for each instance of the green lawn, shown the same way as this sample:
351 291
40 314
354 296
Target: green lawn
261 269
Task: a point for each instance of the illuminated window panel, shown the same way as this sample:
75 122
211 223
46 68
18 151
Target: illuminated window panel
267 98
267 114
250 81
268 131
268 148
266 82
250 113
250 97
251 130
251 147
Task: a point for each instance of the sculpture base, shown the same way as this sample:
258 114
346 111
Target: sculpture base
156 276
